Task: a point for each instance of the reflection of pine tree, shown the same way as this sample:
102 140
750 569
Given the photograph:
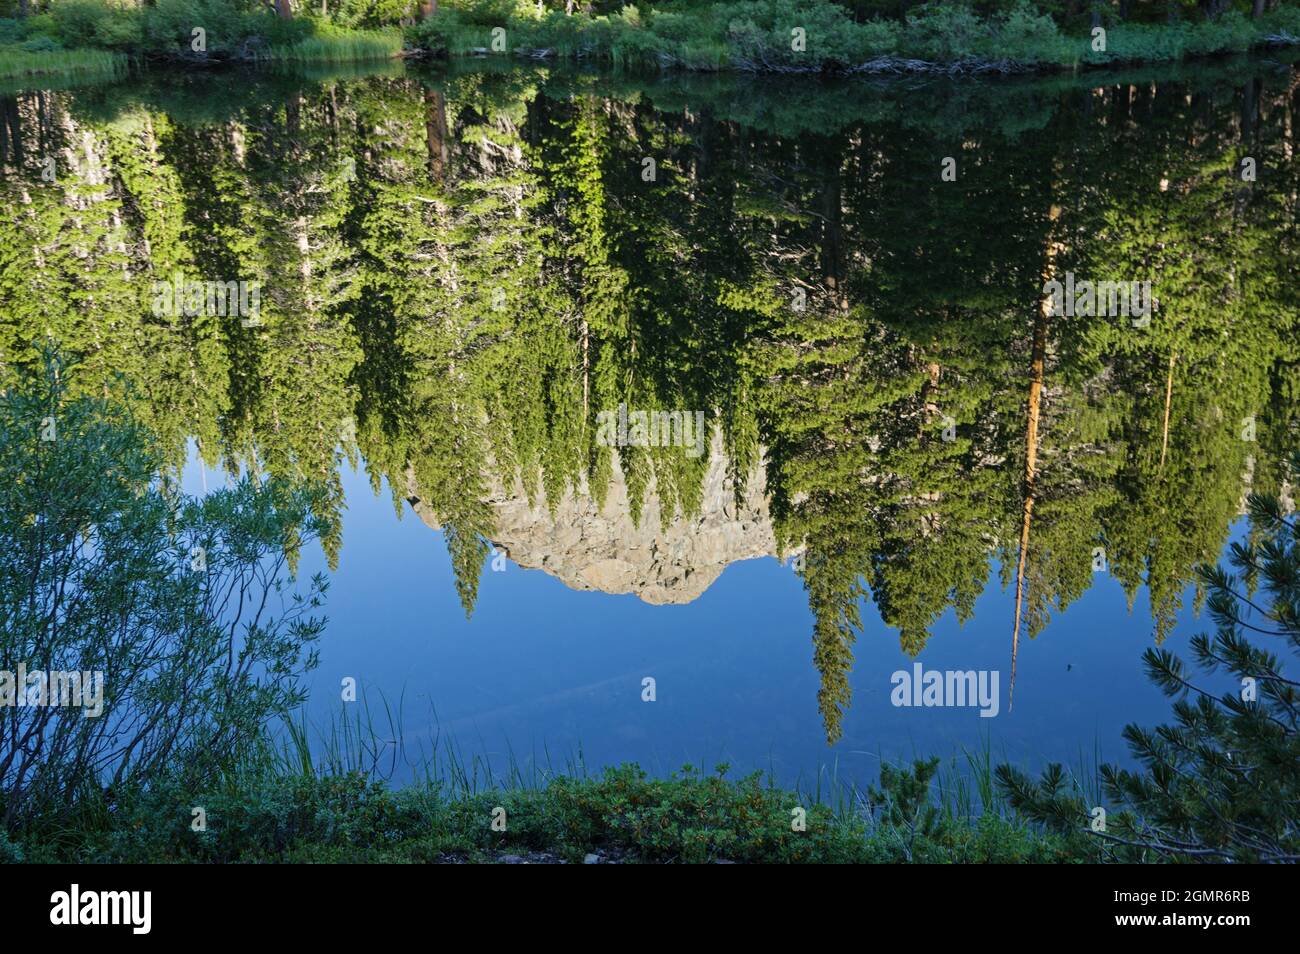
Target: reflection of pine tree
188 367
472 272
306 350
1192 377
818 414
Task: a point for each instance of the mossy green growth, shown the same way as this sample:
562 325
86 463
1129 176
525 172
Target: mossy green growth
625 814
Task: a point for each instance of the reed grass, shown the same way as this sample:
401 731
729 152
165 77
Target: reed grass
97 63
317 792
353 47
368 737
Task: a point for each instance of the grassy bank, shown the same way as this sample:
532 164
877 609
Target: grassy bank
318 795
809 36
83 36
17 62
772 36
623 815
353 47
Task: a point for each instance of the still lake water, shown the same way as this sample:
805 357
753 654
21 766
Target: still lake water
460 276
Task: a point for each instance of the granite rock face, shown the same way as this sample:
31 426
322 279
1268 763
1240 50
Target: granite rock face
588 548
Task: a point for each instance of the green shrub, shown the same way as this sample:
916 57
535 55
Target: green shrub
943 33
86 522
93 23
370 14
40 24
488 13
674 27
10 853
11 30
1282 20
1024 36
758 34
738 34
41 44
169 25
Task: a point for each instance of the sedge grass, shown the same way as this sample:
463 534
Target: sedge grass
85 63
352 47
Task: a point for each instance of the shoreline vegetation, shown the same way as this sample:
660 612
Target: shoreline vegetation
622 815
833 37
820 37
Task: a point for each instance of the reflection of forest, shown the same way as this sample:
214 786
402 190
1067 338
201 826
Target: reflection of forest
457 278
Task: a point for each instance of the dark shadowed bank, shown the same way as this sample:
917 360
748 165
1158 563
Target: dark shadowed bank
96 37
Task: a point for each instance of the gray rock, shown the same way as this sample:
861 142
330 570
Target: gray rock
592 548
